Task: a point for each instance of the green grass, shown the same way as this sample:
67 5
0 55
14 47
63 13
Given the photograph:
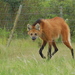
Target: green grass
22 58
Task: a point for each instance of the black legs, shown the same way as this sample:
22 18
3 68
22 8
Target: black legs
72 52
55 48
49 49
40 52
49 54
42 47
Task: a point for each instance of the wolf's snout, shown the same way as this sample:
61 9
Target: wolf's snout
33 38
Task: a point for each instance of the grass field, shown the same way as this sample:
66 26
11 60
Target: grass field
22 58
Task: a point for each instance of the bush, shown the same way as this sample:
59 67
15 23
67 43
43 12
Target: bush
4 33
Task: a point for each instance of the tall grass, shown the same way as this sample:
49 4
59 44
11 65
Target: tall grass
22 66
22 58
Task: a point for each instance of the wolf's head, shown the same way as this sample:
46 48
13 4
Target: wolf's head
33 31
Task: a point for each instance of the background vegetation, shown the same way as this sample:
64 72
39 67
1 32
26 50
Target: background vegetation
33 10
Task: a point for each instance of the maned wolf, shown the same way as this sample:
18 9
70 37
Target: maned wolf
49 30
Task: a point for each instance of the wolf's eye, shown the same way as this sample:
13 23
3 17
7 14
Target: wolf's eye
35 33
31 34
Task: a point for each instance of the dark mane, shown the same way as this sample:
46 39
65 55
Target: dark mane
38 21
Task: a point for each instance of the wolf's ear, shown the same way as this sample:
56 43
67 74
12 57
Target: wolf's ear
29 27
37 26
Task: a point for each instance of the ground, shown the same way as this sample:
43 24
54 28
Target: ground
22 58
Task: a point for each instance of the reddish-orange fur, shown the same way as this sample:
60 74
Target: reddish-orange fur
51 29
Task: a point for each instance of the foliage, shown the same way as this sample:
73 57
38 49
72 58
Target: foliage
33 10
22 58
4 33
21 66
